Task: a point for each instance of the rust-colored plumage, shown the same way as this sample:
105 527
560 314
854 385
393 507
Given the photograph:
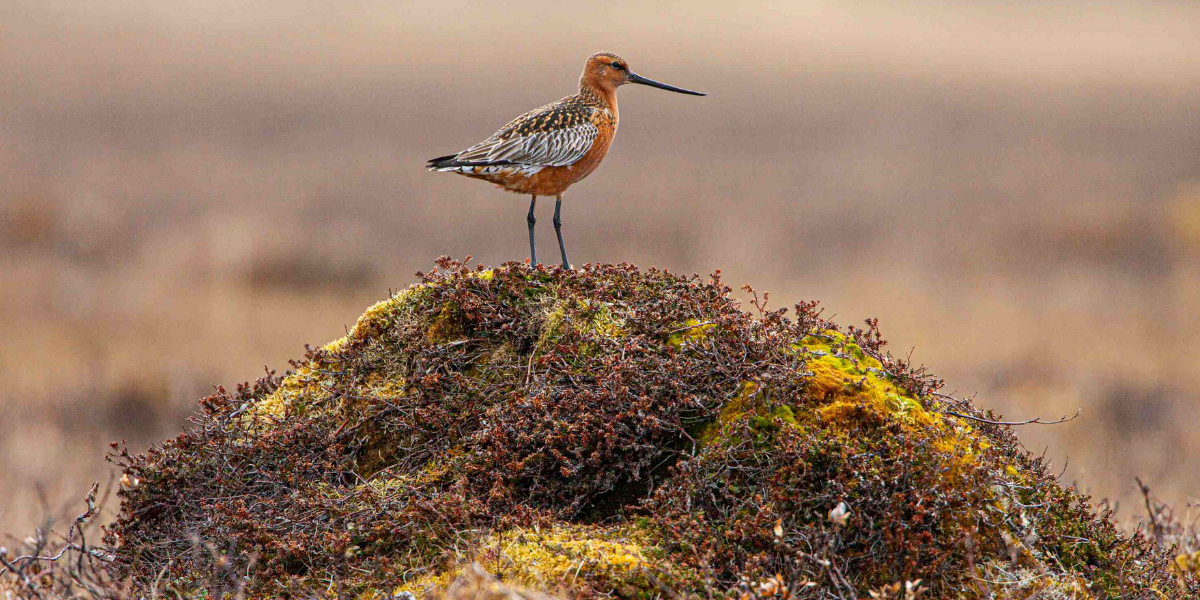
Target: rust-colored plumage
547 150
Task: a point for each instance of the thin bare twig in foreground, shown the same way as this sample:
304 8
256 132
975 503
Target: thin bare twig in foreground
1156 527
92 509
1033 421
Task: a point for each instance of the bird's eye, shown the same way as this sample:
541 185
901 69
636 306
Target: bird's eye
616 65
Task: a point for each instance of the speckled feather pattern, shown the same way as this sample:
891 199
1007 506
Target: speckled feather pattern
564 137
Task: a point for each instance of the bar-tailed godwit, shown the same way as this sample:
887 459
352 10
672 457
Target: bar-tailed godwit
546 150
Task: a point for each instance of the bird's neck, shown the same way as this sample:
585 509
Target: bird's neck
598 96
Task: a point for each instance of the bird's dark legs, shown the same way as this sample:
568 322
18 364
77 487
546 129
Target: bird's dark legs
558 229
532 220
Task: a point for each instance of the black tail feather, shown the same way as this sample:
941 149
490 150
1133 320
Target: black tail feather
442 162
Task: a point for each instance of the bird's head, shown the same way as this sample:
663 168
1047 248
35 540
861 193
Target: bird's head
605 72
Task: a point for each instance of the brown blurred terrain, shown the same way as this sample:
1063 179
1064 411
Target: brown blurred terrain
188 194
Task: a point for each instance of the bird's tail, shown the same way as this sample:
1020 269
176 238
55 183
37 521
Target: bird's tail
442 162
466 167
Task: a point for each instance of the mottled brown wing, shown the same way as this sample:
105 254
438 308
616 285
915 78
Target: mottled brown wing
554 135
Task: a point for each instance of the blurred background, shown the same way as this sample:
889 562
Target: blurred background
191 191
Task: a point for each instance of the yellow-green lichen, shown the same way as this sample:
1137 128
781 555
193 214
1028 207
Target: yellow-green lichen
562 556
447 325
389 387
379 316
308 386
689 331
852 389
296 393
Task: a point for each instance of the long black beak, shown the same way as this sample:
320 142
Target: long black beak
635 78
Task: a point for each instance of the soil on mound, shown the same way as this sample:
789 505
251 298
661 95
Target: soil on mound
610 431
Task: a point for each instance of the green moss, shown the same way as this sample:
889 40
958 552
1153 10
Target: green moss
688 331
295 396
851 387
601 560
784 413
447 326
381 316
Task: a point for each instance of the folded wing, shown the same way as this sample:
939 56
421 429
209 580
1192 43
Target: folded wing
552 148
551 136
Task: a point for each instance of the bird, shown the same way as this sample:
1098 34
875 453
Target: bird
548 149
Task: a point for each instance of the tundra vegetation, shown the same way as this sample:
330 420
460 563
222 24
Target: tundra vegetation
534 432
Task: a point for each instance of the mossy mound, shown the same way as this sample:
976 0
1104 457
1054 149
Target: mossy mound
610 431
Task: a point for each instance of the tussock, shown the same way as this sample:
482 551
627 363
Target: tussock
610 431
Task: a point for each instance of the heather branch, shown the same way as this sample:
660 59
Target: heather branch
1033 421
75 528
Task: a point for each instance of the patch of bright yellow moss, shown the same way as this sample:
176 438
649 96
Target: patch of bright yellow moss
850 381
689 331
853 387
549 558
379 385
566 552
307 386
295 393
424 584
1188 564
377 317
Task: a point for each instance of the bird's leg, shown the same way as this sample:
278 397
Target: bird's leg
558 229
532 220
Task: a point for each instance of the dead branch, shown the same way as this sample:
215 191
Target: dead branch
1033 421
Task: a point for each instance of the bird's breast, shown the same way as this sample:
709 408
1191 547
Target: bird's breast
605 121
595 155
